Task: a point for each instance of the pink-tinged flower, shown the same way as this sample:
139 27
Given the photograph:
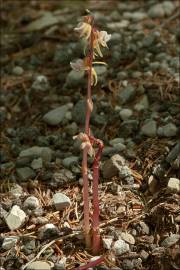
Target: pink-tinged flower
79 65
84 29
83 65
85 143
104 37
100 38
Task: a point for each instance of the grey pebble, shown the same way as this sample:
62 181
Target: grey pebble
125 114
31 203
74 78
56 116
37 151
120 247
37 163
40 265
126 94
41 83
25 173
18 71
70 161
170 240
149 128
48 231
169 130
61 201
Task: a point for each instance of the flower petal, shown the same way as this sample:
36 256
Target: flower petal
94 77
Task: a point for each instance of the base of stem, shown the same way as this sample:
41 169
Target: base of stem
87 240
96 243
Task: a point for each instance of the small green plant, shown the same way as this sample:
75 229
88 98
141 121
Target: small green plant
94 40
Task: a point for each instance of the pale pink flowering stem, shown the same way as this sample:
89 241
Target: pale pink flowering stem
85 150
95 218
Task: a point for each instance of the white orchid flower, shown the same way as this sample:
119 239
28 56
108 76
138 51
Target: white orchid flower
82 65
100 38
84 29
85 143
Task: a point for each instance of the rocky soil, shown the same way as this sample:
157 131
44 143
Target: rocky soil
136 114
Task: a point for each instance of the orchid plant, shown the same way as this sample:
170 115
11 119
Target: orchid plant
94 40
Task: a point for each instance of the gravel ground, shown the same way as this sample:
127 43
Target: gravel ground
136 114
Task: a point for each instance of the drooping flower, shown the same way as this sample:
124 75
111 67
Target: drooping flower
79 65
83 65
84 29
85 143
104 37
100 38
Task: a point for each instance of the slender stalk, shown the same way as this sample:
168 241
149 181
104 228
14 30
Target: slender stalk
85 150
86 200
95 218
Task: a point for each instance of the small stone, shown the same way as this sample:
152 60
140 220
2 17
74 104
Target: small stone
38 212
128 264
74 78
144 255
61 178
126 175
48 231
55 116
70 161
126 94
125 114
107 242
61 201
36 151
168 7
39 220
149 129
59 266
143 104
119 147
136 74
115 141
135 16
18 71
9 242
101 72
37 163
173 154
144 229
31 203
16 191
156 11
170 240
174 184
15 218
153 184
25 173
40 265
169 130
127 237
111 167
72 129
160 10
41 83
122 75
120 247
